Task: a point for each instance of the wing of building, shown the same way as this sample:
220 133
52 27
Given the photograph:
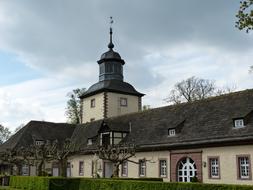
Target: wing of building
209 140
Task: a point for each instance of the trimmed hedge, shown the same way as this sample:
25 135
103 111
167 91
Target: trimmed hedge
52 183
29 183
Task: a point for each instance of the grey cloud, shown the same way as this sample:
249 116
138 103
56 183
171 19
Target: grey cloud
51 35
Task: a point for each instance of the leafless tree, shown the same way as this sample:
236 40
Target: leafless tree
117 154
60 152
195 88
251 69
190 90
38 154
4 133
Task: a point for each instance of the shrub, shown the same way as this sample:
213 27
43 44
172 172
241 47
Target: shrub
29 183
59 183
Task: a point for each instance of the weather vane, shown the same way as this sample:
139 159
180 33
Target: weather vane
111 21
110 45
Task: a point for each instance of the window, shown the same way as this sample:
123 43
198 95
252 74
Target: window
238 123
172 132
105 139
92 103
89 142
124 169
81 168
214 167
39 142
142 168
123 102
244 167
163 168
111 138
25 170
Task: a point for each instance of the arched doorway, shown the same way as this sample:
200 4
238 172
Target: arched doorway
186 170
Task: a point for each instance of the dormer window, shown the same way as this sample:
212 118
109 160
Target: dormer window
89 142
39 142
111 138
239 123
171 132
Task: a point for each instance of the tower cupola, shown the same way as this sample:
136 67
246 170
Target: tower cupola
111 64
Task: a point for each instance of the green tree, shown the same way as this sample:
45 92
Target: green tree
245 16
74 106
4 134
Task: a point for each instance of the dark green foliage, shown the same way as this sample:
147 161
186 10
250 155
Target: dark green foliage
245 15
52 183
74 106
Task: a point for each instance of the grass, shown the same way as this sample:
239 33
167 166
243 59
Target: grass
6 188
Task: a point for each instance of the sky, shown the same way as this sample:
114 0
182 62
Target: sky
48 48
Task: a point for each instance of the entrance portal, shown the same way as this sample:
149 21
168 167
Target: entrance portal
186 170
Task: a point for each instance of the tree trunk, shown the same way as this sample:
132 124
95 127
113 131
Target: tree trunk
116 170
39 167
63 167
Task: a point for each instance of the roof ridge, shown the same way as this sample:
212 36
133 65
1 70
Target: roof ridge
208 99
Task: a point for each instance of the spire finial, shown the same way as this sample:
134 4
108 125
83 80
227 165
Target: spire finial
111 45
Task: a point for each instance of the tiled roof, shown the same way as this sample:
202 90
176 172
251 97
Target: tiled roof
111 86
206 122
38 130
197 123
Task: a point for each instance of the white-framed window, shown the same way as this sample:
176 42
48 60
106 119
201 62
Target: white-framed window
89 142
214 167
124 169
238 123
142 168
244 167
25 170
123 102
172 132
92 103
163 168
81 168
39 142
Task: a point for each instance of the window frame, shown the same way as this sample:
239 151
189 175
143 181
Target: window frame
170 134
144 167
126 169
210 167
25 170
81 169
238 159
39 142
89 141
125 100
160 168
93 103
237 121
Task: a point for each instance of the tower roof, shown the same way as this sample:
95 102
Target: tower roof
111 55
111 86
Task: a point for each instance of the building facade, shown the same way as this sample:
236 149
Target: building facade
209 141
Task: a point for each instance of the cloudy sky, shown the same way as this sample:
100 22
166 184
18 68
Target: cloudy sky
48 48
